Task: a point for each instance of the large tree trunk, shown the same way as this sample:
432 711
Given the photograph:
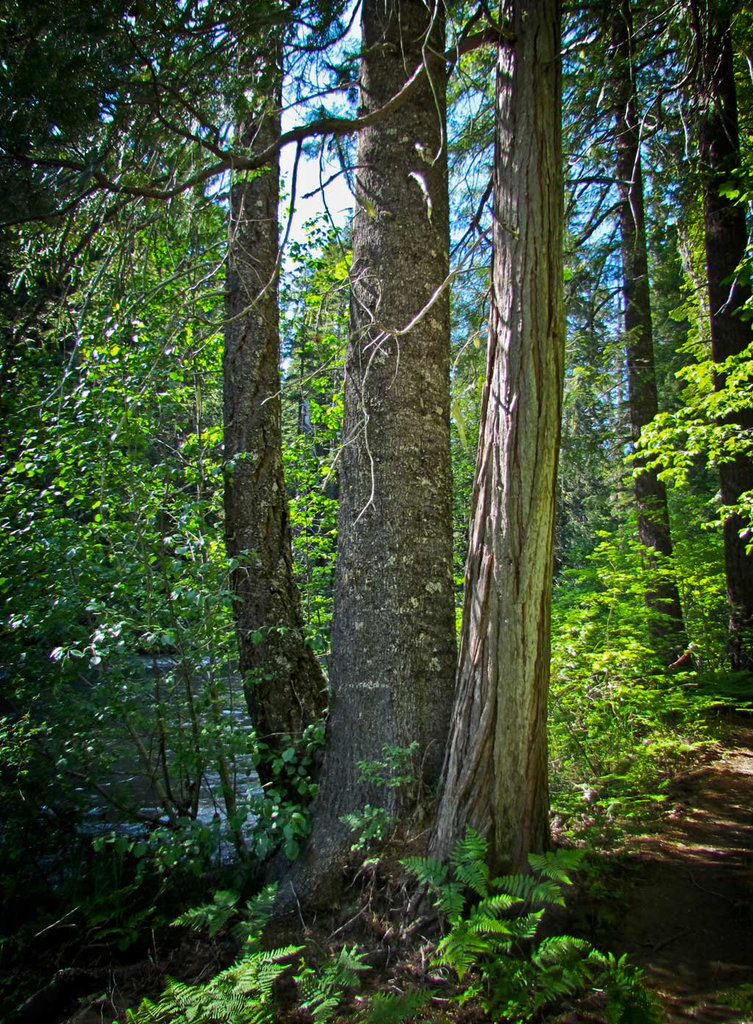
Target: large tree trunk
726 240
283 682
662 598
495 777
393 630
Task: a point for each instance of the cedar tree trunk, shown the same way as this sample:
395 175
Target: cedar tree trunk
662 599
726 240
283 683
495 777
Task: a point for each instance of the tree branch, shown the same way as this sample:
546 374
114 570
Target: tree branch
233 161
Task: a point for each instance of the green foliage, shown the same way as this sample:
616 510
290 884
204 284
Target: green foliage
370 826
314 327
211 917
322 991
395 1007
741 998
395 770
492 943
628 1001
116 601
250 920
242 994
124 725
708 428
619 723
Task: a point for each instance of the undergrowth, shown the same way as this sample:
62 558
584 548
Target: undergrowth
495 945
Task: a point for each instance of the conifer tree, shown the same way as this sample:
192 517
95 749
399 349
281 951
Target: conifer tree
726 238
495 776
662 597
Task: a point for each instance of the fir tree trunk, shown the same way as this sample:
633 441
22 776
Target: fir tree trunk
726 240
393 631
662 599
495 777
283 682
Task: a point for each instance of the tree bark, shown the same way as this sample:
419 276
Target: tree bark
393 630
283 682
495 776
726 239
662 597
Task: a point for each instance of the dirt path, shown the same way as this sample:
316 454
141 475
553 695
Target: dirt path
689 913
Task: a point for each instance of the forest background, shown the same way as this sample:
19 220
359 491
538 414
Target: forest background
157 738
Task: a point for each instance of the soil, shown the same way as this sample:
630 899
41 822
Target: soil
687 913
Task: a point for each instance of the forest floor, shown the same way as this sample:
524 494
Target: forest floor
685 914
677 899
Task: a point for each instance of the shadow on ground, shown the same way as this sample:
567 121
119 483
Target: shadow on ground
689 912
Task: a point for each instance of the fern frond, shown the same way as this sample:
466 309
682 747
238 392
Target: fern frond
525 927
211 917
475 875
556 864
498 904
395 1007
241 994
428 870
322 993
461 949
147 1013
562 949
485 925
321 1008
539 892
259 907
628 1001
348 966
450 899
472 847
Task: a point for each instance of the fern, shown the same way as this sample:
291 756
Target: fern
628 1001
242 994
537 892
556 864
395 1007
210 917
429 871
213 917
493 923
257 912
322 992
463 947
468 858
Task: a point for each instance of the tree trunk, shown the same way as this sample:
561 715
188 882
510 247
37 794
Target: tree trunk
662 599
495 776
726 240
393 629
283 682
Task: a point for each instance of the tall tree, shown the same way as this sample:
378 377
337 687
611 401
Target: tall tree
726 239
393 629
283 682
662 599
495 777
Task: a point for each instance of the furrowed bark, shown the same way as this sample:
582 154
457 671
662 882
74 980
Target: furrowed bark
495 776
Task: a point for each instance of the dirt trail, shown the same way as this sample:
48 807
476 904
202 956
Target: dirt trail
689 915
